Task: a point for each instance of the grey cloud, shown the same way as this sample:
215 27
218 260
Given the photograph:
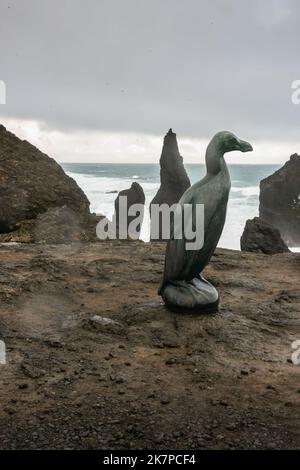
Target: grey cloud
141 65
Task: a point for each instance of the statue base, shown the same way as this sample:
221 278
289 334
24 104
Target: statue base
195 296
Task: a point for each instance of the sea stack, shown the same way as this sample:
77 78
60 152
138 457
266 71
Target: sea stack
261 237
280 200
174 180
135 195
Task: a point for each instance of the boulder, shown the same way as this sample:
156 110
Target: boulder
280 200
104 324
31 183
39 202
56 225
259 236
62 224
135 195
173 177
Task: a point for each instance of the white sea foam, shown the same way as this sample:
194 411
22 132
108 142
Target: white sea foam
247 191
98 191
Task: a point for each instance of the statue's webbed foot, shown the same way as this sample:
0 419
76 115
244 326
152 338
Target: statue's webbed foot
197 295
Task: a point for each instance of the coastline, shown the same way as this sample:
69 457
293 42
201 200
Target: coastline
100 181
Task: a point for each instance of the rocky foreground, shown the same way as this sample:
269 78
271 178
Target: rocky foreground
96 361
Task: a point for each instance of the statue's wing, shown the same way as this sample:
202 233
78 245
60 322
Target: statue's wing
179 260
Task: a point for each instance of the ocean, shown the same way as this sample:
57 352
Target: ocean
99 181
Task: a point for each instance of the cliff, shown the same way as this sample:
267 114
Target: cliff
38 200
280 200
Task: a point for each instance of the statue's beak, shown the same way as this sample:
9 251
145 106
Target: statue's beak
245 146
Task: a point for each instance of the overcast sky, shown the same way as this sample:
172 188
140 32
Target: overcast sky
103 80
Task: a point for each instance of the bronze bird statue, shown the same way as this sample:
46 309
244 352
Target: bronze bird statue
183 287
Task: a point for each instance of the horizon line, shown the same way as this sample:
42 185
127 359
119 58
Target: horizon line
157 163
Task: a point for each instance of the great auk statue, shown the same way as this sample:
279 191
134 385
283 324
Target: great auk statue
183 287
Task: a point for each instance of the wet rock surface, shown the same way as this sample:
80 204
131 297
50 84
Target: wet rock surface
280 200
261 237
95 361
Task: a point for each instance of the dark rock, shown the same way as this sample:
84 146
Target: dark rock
280 200
159 439
174 180
23 386
165 400
135 195
63 224
32 371
56 225
171 361
39 202
31 183
259 236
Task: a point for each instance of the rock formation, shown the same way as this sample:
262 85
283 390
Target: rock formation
259 236
33 187
174 180
135 195
280 200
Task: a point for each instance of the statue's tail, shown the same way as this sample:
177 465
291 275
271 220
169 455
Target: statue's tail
161 288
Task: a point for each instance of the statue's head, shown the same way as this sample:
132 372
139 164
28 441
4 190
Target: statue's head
226 141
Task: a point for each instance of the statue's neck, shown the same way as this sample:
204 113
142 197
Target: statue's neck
214 159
